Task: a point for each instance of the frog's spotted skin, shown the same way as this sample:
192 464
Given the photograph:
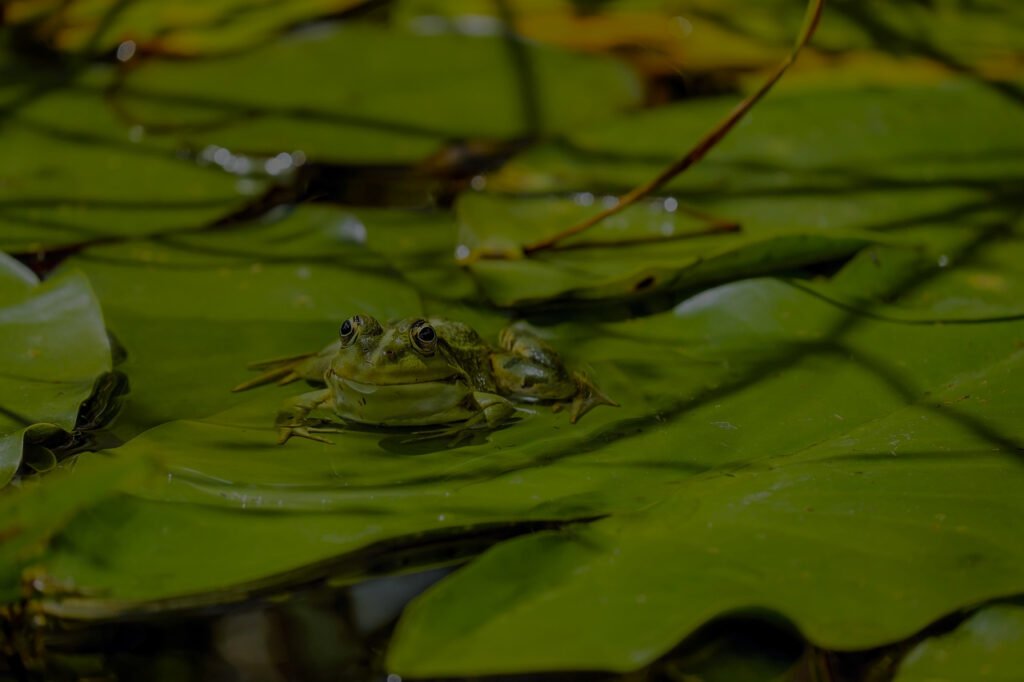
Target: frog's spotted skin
420 372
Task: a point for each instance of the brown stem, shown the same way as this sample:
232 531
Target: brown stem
703 146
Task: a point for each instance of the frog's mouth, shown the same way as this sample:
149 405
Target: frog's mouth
367 387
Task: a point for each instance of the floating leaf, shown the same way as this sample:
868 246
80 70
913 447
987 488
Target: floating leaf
987 646
864 162
915 501
407 96
189 28
53 348
71 173
868 42
755 385
33 514
204 305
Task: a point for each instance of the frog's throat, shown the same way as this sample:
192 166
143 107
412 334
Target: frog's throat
369 387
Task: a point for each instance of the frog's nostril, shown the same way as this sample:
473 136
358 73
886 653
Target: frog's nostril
390 354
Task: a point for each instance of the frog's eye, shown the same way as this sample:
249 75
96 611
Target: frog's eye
424 336
348 329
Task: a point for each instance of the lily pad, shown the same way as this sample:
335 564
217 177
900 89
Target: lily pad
644 250
408 95
72 173
204 305
914 501
987 646
756 385
865 43
863 162
189 28
54 349
37 511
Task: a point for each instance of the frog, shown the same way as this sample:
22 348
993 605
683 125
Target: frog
424 372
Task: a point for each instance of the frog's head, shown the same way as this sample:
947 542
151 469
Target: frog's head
404 352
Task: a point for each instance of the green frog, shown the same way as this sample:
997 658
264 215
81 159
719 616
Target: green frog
424 372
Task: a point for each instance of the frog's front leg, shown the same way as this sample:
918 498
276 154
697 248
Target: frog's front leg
494 410
293 417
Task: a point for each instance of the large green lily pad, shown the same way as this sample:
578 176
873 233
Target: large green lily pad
915 501
363 94
72 173
53 348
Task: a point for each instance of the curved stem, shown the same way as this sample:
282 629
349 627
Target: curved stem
703 146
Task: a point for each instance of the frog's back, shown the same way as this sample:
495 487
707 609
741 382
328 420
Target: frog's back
467 350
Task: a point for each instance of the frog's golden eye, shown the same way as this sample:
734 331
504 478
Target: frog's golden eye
424 337
349 329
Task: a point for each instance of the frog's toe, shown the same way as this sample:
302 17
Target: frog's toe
588 396
284 433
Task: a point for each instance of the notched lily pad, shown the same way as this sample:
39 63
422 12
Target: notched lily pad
55 369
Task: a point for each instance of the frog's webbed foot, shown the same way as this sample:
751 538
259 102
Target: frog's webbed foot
280 370
285 433
294 420
588 396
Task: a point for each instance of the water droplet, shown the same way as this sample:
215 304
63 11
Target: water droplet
239 165
478 182
126 50
350 229
221 156
136 133
670 204
393 678
943 261
684 25
441 517
583 198
461 252
478 25
609 201
278 164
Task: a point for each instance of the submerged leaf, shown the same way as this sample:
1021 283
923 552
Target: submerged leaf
987 646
